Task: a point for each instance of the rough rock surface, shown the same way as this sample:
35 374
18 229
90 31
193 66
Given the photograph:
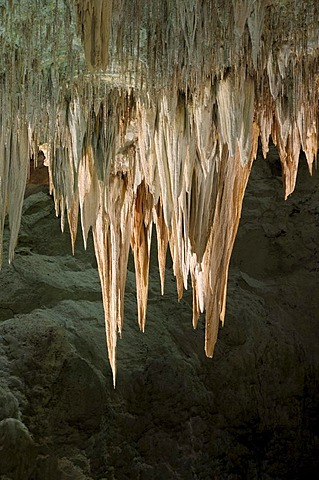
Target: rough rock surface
250 413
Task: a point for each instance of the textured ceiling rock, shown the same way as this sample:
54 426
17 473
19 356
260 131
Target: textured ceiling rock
155 118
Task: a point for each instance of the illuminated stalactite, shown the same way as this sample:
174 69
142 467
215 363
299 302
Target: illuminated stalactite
155 119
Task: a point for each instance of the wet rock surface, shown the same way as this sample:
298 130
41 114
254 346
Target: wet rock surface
252 412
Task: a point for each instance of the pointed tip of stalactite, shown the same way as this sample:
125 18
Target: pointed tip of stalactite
196 316
114 376
180 285
142 313
211 328
112 360
84 237
142 322
210 341
209 350
310 169
162 274
73 238
211 332
11 257
287 192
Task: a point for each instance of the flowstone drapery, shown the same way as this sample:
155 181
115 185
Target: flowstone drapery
150 112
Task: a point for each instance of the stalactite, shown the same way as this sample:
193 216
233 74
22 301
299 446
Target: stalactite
150 112
94 22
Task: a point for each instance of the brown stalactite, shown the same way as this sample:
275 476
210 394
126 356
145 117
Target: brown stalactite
155 118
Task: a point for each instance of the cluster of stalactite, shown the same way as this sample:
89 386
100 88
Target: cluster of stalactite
150 112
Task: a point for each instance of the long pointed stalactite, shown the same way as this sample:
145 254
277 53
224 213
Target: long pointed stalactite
150 112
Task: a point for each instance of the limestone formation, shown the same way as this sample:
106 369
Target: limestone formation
151 112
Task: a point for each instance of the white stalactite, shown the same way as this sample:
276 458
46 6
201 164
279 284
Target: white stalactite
155 118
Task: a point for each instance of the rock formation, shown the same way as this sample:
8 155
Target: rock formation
150 112
250 412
